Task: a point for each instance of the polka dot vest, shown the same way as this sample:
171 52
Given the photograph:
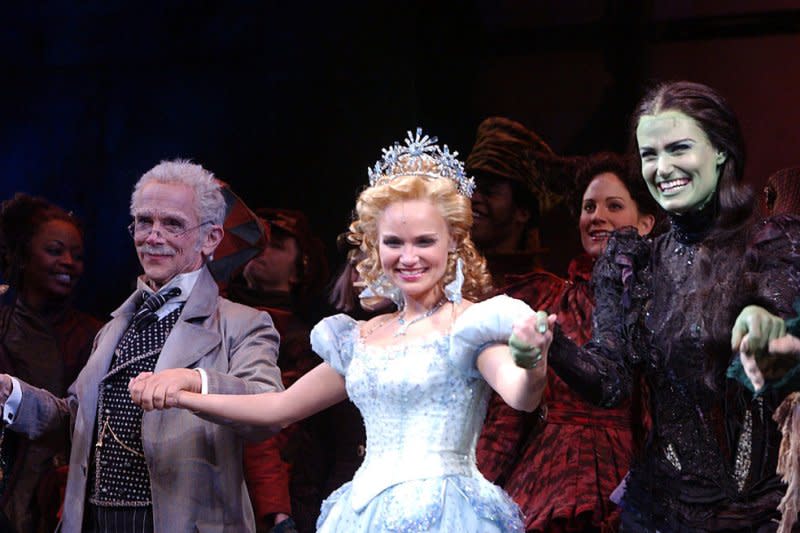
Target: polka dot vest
121 477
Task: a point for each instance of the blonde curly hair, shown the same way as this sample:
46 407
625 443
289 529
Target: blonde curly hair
456 211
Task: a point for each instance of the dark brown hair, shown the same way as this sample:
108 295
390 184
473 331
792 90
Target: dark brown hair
713 114
624 169
20 219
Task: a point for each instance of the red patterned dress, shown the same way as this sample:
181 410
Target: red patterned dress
561 463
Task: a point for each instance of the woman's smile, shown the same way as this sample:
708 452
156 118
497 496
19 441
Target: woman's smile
413 244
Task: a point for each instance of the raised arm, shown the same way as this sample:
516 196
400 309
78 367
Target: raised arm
601 370
318 389
519 374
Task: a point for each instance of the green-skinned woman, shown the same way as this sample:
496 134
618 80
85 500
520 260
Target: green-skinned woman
686 309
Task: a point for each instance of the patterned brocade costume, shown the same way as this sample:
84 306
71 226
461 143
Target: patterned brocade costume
709 461
423 403
561 464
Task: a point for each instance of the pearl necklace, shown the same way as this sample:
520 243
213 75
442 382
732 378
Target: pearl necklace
401 319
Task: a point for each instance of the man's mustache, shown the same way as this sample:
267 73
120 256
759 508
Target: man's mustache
155 250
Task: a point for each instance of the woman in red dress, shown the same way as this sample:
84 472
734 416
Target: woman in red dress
561 464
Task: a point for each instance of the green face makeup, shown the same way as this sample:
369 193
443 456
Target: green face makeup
679 163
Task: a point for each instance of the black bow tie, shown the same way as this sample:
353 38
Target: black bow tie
146 314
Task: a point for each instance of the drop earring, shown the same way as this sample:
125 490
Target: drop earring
452 291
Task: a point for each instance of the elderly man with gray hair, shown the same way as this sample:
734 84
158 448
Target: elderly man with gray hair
160 471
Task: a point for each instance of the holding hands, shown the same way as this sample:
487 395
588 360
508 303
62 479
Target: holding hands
788 345
161 390
765 350
6 386
531 338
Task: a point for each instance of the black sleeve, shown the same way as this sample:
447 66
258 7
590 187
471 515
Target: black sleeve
602 369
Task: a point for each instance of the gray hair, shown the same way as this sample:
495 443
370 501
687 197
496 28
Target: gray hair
209 202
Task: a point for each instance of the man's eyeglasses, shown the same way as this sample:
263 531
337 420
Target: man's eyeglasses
173 228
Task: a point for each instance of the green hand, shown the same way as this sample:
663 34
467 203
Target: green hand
758 327
525 354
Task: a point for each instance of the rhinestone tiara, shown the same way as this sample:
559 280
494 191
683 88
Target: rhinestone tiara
421 156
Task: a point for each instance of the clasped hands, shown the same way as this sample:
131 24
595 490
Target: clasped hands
6 386
161 390
531 338
766 351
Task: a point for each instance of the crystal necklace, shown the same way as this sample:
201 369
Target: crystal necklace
401 319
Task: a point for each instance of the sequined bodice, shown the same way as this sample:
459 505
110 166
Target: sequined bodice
422 417
688 433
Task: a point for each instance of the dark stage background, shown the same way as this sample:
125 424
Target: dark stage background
291 102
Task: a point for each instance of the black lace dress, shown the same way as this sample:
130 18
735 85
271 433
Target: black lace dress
666 307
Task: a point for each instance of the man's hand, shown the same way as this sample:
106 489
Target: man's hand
783 355
6 386
160 390
283 523
787 345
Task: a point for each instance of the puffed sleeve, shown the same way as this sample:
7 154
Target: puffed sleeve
485 323
333 338
601 369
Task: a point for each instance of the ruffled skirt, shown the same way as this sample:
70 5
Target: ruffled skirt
442 504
